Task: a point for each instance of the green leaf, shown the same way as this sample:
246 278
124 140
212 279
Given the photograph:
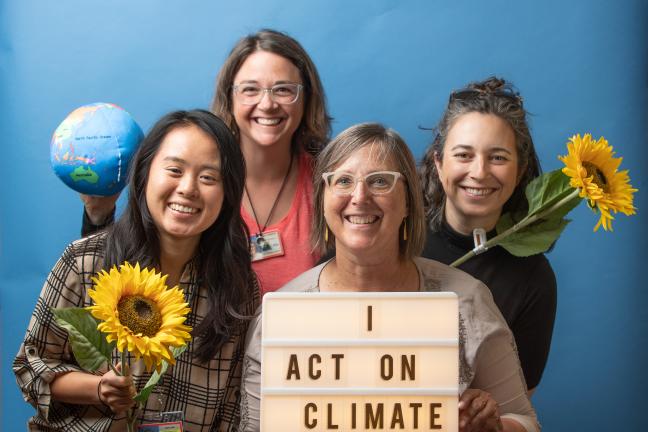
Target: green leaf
535 238
144 394
89 345
547 190
550 199
506 221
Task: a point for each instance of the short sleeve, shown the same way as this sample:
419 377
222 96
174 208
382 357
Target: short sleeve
498 372
496 365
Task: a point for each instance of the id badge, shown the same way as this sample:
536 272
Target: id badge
170 421
265 245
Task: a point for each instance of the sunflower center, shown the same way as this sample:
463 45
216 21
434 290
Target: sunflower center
597 174
140 315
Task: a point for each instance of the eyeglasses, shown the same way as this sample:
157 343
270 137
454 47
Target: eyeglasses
473 93
377 182
251 94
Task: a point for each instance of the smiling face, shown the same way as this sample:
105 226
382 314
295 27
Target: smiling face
478 171
184 192
366 224
267 123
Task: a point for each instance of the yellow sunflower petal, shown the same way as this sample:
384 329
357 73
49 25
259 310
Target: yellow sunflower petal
115 289
593 169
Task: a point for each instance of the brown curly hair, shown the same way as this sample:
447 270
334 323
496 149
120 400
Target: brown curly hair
492 96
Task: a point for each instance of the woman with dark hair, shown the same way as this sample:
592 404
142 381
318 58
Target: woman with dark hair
369 210
182 219
270 95
475 170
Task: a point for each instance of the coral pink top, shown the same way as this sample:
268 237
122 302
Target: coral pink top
294 229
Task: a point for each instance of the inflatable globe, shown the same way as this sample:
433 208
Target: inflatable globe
92 148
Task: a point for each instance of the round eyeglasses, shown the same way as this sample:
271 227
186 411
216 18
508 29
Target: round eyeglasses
377 182
252 94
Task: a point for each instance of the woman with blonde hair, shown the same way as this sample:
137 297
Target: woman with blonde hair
369 207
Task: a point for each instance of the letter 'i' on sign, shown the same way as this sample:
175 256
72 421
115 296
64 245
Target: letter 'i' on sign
329 363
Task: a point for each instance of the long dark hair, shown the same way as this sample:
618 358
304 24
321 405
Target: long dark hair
492 96
315 127
223 257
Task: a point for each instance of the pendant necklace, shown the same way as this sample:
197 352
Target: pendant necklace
261 230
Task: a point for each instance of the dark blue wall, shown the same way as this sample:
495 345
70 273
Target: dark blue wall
581 66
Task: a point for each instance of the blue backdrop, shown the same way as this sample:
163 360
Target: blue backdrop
582 66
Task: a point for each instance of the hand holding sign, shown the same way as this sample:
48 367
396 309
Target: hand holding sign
478 412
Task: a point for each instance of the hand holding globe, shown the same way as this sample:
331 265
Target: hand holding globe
91 149
99 208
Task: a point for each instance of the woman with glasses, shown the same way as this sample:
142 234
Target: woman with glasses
270 95
369 209
476 170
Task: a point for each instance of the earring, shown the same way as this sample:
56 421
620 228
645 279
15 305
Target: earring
405 230
326 234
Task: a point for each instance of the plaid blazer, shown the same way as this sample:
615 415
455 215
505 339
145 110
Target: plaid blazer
207 393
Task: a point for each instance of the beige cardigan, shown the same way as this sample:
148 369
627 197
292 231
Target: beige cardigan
488 356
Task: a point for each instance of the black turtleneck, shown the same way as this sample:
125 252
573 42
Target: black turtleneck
524 289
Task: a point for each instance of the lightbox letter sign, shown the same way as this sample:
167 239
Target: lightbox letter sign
359 362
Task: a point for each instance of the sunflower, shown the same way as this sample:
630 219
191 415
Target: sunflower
594 171
140 312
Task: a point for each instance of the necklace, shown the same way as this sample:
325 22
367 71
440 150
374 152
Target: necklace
274 204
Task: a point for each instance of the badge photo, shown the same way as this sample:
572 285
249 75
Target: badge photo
265 245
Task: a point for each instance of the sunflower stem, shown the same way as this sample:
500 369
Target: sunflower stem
124 364
518 226
125 371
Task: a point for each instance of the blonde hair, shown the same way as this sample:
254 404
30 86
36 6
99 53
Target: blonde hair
389 145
